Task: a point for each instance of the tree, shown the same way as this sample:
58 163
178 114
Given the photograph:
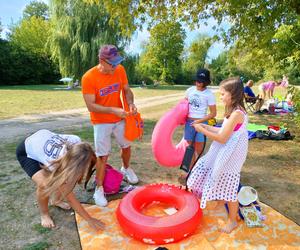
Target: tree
25 58
255 25
195 56
80 28
19 66
32 35
161 60
36 9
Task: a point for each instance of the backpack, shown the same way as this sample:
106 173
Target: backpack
111 182
269 135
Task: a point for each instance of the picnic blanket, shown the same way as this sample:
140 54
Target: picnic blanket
252 128
278 232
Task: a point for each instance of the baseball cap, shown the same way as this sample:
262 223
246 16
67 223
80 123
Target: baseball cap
110 54
203 75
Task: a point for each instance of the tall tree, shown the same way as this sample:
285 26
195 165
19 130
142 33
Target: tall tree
80 28
36 9
32 35
257 24
197 53
161 60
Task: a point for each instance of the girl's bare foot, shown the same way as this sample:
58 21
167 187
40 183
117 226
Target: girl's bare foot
61 204
229 227
46 221
220 205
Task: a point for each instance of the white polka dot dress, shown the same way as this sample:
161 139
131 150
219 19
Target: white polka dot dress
216 175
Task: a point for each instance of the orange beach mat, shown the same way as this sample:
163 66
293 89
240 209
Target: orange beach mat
278 232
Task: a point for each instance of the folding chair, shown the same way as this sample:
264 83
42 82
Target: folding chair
250 104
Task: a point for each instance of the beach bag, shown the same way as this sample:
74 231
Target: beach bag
134 124
134 127
112 180
269 135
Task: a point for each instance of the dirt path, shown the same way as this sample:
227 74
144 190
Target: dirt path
22 125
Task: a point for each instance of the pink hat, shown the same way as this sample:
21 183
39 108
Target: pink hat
110 54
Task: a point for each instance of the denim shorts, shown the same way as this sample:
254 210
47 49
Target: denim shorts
189 132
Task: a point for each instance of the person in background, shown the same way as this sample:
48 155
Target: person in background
251 97
216 175
266 89
202 107
101 89
285 81
56 163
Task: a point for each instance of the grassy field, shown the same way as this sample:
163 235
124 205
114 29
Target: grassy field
41 99
272 168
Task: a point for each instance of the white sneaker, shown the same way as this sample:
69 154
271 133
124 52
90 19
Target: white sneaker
130 175
99 197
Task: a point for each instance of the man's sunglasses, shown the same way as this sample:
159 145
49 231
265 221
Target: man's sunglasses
112 65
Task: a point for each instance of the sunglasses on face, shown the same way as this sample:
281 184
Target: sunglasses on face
113 66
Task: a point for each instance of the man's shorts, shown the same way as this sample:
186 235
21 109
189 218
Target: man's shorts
189 132
102 137
29 165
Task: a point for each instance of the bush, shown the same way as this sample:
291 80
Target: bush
295 92
18 66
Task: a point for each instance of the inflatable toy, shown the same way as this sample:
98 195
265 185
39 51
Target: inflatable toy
159 230
165 152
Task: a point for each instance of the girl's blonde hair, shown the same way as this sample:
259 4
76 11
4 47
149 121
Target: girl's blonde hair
235 87
71 168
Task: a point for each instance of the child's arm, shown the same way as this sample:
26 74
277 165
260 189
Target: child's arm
224 134
212 114
75 204
210 128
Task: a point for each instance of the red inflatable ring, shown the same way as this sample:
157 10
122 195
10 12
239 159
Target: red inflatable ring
159 230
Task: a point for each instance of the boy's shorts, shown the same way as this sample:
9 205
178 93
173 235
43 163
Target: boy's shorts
29 165
102 137
189 132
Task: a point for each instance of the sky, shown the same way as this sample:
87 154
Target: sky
11 12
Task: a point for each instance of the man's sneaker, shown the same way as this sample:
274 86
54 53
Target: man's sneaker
99 197
130 175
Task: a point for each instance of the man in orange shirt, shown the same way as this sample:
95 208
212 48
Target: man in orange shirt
101 88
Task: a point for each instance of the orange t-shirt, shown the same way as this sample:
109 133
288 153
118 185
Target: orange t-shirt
106 89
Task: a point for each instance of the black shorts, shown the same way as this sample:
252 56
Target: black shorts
30 166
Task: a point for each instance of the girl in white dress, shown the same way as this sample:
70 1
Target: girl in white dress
216 175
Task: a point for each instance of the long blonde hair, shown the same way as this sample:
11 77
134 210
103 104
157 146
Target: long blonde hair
71 168
235 87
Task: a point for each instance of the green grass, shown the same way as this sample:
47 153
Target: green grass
40 99
40 229
37 246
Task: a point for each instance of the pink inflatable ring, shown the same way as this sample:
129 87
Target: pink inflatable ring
159 230
165 152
